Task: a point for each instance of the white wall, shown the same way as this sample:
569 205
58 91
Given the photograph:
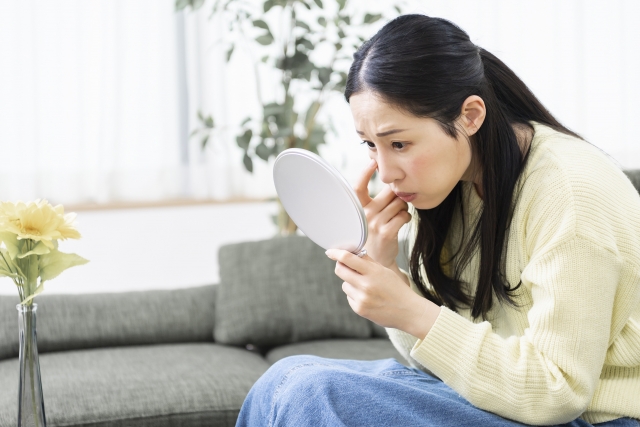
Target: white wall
155 248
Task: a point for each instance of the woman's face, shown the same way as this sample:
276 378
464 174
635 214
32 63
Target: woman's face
416 158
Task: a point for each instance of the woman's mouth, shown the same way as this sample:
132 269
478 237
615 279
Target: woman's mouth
407 197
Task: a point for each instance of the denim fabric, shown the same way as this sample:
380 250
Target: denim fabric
313 391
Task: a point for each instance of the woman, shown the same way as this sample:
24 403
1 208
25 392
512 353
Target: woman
522 304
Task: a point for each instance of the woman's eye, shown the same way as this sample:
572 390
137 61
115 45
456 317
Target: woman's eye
369 144
398 145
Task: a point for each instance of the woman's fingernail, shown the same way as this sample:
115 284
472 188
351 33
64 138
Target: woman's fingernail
372 162
328 254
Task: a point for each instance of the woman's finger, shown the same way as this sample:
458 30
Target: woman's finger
362 184
381 200
391 210
354 262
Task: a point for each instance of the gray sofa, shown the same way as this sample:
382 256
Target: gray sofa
188 357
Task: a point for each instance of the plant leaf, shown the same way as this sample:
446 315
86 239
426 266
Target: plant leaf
304 42
322 21
208 122
261 24
341 4
229 52
203 143
248 163
55 262
319 3
39 249
11 242
263 151
244 139
38 290
304 25
370 19
265 39
245 121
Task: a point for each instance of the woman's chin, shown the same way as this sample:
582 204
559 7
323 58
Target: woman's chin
426 203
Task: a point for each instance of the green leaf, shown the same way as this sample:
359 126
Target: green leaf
39 249
319 3
11 242
263 151
303 25
397 8
208 122
346 19
245 121
55 262
182 4
261 24
305 42
272 109
244 139
248 163
200 116
322 21
264 58
7 267
268 5
203 143
341 4
265 39
370 19
341 33
38 291
324 75
229 52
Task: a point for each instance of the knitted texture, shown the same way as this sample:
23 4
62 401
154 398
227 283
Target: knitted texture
570 345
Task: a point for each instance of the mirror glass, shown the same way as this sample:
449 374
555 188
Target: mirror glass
320 201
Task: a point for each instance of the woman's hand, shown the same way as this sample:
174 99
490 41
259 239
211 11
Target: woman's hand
386 214
378 294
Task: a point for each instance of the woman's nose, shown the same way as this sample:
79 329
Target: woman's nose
387 170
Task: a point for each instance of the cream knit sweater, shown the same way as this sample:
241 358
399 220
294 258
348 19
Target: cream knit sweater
571 347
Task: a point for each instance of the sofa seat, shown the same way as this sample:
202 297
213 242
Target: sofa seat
150 385
356 349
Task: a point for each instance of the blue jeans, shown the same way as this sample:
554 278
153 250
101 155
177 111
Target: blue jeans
302 391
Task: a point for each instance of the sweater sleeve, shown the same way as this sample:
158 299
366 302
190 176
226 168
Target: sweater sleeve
548 375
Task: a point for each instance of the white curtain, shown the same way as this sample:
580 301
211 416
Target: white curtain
97 98
89 101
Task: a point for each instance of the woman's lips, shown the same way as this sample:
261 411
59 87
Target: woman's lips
407 197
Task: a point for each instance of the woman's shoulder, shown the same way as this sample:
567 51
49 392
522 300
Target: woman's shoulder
569 184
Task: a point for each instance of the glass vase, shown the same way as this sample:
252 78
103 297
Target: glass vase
30 402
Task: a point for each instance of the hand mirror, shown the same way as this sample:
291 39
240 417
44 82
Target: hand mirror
320 201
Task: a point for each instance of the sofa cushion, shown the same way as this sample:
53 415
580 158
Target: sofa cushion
280 291
355 349
634 177
199 384
67 322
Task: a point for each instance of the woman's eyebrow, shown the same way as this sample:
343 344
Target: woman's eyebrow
389 132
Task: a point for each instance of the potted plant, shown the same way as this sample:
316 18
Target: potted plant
289 121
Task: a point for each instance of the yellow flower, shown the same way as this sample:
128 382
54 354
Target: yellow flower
38 221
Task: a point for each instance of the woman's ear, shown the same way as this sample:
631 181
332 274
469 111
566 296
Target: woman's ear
472 114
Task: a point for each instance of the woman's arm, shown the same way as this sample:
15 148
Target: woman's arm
548 375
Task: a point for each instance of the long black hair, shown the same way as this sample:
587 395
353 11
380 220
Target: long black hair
428 67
